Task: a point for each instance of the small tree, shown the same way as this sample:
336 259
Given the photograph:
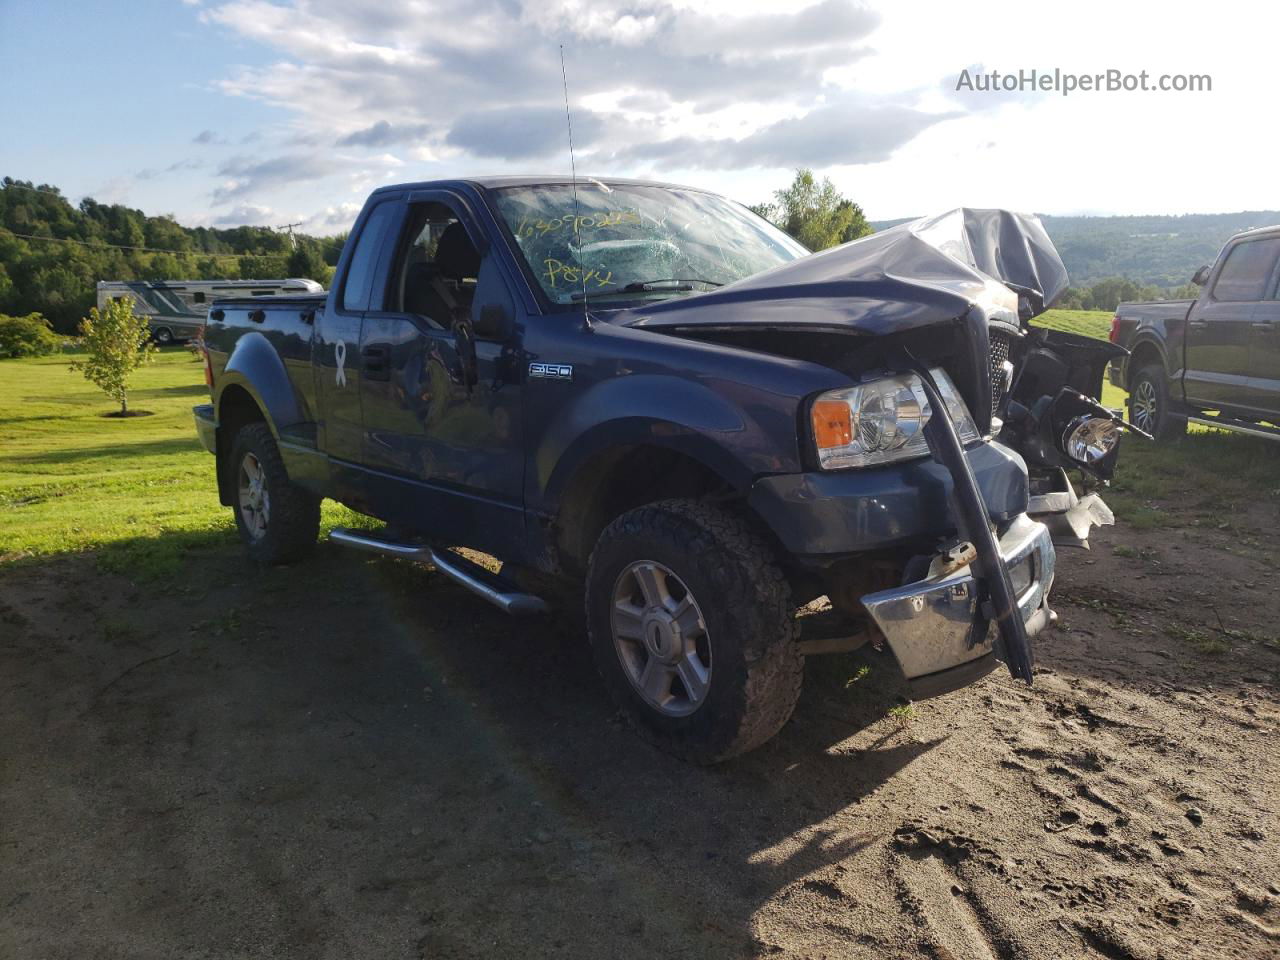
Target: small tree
815 213
118 342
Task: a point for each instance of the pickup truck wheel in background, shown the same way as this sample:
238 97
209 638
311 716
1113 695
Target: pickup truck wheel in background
1149 404
690 622
162 336
278 521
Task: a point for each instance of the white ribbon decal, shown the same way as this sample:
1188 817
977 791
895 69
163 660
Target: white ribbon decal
340 355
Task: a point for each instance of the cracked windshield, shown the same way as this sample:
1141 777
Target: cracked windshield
637 242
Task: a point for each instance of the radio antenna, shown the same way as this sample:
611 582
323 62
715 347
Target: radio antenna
573 173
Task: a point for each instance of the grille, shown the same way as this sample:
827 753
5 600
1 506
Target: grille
1000 343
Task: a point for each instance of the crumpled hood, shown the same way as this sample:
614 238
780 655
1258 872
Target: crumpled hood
917 273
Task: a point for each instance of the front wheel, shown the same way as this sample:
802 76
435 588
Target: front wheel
278 520
1149 404
690 622
163 336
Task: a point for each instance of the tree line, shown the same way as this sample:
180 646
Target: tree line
53 253
1107 294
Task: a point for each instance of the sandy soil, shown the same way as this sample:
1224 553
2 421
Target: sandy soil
353 758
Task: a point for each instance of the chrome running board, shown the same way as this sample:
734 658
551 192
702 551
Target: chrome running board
502 593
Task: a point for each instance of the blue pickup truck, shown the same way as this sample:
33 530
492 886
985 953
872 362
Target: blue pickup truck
645 398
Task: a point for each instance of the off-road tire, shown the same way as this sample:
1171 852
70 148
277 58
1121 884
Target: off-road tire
293 521
745 600
1151 380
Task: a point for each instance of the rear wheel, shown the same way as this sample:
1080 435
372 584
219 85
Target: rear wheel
163 336
690 622
278 520
1149 404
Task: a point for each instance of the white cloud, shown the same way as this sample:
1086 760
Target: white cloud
748 89
706 80
247 213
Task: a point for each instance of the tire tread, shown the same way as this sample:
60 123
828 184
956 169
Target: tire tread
294 521
753 583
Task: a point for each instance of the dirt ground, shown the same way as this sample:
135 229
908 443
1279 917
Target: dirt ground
354 758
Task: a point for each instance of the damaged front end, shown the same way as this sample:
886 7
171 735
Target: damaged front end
918 316
1055 421
940 627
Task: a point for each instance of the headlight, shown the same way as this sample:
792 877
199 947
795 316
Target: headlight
1090 439
882 421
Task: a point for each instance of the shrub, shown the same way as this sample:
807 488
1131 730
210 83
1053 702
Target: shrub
118 342
29 336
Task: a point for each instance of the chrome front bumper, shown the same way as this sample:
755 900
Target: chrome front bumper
928 624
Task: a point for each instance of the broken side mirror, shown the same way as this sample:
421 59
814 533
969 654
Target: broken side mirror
1201 276
494 323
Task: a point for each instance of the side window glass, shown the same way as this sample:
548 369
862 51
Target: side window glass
435 276
198 297
1248 268
355 291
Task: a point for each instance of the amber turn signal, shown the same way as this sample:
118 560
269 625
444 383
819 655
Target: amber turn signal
832 424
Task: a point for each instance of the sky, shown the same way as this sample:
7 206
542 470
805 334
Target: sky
223 112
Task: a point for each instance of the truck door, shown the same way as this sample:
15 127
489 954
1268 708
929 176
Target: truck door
1220 333
442 431
1266 348
336 344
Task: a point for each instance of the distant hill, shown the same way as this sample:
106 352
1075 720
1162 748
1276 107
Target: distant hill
1160 250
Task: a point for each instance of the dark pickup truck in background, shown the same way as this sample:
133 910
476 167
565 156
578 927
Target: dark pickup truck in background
648 396
1213 360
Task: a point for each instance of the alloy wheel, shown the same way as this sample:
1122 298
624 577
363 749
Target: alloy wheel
255 502
1145 405
661 638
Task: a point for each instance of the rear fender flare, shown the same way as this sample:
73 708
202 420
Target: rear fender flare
1142 345
256 367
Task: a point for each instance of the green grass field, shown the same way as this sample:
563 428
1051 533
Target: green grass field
1089 323
73 479
141 491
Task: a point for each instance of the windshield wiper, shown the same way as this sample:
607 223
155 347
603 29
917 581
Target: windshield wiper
681 284
665 285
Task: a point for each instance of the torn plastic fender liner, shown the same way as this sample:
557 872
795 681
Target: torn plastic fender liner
994 584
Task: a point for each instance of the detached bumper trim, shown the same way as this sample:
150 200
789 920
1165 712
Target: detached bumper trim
927 624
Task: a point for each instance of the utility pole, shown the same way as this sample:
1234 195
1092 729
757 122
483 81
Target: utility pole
293 243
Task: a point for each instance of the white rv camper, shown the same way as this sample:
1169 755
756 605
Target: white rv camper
177 308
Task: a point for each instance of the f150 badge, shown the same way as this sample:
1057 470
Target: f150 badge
551 371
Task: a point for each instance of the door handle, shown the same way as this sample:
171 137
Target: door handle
377 362
1264 325
1197 324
